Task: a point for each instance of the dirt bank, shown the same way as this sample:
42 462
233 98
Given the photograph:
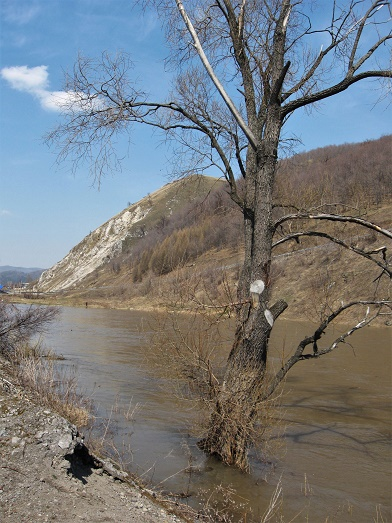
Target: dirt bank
47 474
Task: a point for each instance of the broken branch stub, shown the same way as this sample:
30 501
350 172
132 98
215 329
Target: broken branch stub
269 317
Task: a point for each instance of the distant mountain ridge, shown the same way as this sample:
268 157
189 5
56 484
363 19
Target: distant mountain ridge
10 274
27 270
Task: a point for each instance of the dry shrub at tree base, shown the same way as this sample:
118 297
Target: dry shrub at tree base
190 351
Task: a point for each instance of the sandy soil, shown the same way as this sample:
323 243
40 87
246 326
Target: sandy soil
47 474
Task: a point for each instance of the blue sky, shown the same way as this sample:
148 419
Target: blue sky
44 209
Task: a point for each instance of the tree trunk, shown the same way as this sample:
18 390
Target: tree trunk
231 428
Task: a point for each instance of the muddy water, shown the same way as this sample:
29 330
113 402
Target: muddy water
336 458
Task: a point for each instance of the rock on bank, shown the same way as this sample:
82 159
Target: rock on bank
46 473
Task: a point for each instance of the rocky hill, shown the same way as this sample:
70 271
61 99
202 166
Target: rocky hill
111 239
183 243
97 248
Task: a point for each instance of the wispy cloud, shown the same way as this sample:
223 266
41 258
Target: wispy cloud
35 81
4 212
150 23
20 12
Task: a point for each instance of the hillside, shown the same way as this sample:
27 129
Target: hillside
182 245
121 233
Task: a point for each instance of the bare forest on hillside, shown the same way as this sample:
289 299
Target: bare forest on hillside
192 255
351 176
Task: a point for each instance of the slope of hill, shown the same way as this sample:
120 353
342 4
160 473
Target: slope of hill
182 245
121 232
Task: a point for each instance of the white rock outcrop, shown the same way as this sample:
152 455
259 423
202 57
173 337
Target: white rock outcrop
99 247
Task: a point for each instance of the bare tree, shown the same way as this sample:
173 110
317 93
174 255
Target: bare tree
245 68
19 324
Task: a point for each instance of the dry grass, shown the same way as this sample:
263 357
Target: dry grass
102 438
54 386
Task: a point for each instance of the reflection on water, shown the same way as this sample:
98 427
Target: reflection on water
337 459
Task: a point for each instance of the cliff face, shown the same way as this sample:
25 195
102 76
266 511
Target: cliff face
97 248
107 241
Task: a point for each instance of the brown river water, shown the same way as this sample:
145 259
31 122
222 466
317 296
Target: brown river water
334 462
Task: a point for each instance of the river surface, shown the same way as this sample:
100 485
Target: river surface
334 462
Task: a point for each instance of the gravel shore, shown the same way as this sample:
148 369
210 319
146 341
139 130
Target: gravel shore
47 474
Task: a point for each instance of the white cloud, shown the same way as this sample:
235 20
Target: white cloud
35 81
4 212
23 78
57 100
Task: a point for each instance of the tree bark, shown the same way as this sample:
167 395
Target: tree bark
231 428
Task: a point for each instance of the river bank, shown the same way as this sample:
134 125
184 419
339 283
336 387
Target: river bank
47 473
334 441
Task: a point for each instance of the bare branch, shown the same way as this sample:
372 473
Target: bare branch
18 325
333 218
320 331
346 40
332 91
248 133
365 254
